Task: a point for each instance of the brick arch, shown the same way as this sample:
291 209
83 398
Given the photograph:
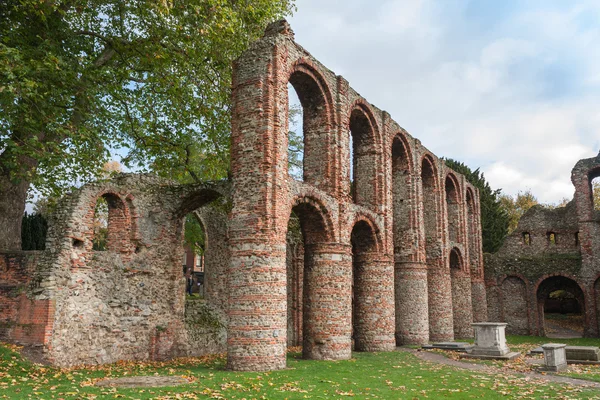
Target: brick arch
453 194
320 216
451 178
407 150
197 198
318 119
118 225
584 300
367 155
431 190
373 226
456 259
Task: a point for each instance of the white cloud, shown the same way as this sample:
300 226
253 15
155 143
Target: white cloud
518 96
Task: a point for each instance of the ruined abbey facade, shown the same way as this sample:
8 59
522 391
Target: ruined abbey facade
389 251
551 250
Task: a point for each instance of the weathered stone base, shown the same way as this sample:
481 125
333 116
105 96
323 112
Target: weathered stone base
508 356
455 346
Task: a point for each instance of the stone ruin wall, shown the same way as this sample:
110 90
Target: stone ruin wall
81 306
387 245
395 260
524 271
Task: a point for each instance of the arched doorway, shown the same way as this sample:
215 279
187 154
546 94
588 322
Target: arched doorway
561 308
322 298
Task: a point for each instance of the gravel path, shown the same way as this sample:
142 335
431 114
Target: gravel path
487 369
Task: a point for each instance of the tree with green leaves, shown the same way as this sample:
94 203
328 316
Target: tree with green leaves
494 219
152 78
516 207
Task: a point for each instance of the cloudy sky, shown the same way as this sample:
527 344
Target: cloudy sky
510 86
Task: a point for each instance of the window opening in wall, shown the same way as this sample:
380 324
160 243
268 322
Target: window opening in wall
551 238
595 183
576 238
295 136
99 242
526 238
194 249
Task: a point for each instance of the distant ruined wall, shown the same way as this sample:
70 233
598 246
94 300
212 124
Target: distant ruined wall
551 249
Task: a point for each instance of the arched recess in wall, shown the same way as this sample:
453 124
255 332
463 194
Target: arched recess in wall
204 272
561 307
472 235
514 305
365 245
401 201
461 295
439 286
365 157
311 229
453 202
430 192
111 225
316 152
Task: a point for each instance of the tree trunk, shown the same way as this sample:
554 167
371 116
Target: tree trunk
12 206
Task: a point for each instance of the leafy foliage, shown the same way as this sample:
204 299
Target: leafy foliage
516 207
194 236
78 79
494 219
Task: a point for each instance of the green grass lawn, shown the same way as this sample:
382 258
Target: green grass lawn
395 375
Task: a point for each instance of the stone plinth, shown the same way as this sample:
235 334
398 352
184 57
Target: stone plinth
490 342
555 357
490 339
582 353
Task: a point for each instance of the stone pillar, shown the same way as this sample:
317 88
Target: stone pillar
256 334
479 301
441 327
374 323
412 311
555 357
328 302
461 304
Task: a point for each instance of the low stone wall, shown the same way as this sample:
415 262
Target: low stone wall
20 318
205 329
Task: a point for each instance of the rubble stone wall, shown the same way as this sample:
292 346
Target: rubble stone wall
551 249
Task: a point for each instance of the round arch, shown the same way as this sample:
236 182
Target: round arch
317 105
366 155
548 305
